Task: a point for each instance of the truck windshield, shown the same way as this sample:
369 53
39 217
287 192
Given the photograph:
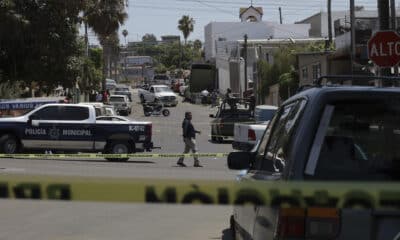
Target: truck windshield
361 142
263 115
162 89
117 99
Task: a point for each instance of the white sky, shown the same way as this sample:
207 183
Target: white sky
160 17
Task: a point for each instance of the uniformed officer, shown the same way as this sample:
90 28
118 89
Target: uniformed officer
189 136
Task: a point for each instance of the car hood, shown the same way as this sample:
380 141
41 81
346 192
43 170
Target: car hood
13 119
165 94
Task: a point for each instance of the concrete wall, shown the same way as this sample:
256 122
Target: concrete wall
231 31
307 61
273 97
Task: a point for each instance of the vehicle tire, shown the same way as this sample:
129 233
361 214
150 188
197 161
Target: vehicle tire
9 144
165 112
118 147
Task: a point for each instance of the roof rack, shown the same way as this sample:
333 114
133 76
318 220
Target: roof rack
343 78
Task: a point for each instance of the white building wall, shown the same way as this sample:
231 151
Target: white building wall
291 31
232 31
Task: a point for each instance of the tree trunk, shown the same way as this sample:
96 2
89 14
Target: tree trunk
103 87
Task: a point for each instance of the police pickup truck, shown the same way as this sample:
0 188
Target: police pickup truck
72 128
326 133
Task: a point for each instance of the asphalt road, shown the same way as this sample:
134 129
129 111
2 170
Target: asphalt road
77 220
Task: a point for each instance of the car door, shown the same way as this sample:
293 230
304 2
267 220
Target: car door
151 95
74 128
38 130
270 162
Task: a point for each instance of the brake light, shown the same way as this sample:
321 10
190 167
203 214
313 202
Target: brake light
251 134
311 223
149 130
322 223
291 223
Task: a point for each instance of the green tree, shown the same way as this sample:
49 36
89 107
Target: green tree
105 17
36 50
197 44
186 26
125 34
149 37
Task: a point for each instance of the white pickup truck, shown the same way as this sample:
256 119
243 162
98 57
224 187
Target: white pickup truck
159 93
246 135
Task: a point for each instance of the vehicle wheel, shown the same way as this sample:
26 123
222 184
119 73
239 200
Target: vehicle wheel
165 112
118 147
9 144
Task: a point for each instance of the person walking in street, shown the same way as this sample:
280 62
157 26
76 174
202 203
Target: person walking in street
189 138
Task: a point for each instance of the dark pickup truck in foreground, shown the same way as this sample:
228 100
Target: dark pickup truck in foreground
72 128
325 133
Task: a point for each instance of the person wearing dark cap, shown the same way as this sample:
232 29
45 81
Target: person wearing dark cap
189 138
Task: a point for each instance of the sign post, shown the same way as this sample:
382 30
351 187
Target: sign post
384 49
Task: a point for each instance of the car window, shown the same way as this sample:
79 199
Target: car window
73 113
47 113
163 89
275 145
117 99
361 142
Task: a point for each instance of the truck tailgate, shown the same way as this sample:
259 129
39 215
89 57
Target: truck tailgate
240 132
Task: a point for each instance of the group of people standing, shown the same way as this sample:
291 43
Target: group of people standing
103 96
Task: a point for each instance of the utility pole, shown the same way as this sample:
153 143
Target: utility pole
280 15
353 35
329 22
245 63
383 15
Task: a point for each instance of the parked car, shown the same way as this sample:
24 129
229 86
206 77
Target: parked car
227 115
121 104
110 84
159 93
247 134
123 90
101 108
326 133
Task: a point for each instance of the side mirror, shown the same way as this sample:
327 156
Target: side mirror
211 116
33 120
240 160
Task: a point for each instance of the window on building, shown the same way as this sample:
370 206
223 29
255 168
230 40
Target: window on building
316 68
304 73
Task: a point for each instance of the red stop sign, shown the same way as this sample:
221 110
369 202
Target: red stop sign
384 48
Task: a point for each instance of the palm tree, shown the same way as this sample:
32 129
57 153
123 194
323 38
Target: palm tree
186 26
105 17
125 33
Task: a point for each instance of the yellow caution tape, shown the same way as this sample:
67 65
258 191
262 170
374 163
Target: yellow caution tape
99 155
303 194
